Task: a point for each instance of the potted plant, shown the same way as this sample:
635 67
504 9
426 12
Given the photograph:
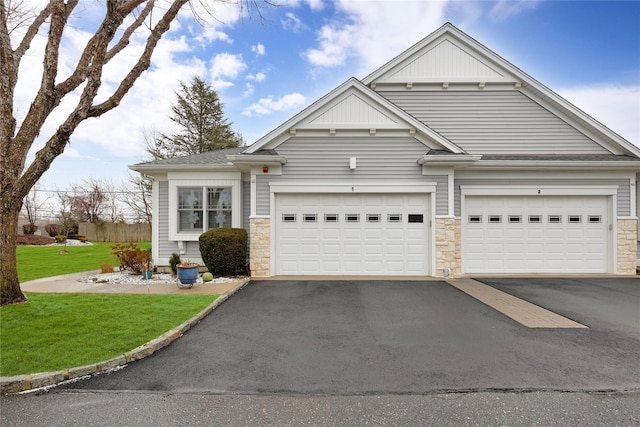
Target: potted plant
187 272
146 264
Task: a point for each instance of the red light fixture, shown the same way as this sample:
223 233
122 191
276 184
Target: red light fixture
265 169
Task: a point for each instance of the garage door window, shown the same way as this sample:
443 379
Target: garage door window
310 218
416 218
475 219
394 218
555 219
594 219
575 219
288 217
352 218
535 219
515 219
330 218
495 218
373 217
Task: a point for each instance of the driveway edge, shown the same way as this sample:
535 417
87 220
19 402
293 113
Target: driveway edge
21 383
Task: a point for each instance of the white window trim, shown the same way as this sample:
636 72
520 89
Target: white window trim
236 204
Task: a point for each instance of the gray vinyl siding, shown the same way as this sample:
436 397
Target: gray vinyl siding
165 247
442 193
326 159
246 204
624 187
494 122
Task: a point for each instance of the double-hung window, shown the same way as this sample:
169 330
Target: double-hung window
203 208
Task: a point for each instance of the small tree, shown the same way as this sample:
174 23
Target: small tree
33 205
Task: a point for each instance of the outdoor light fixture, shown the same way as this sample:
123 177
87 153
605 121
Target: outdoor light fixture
352 163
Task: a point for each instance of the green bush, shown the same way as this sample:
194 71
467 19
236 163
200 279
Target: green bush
224 251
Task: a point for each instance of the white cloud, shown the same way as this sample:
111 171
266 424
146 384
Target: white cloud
292 23
504 9
358 34
258 49
249 90
615 106
227 65
269 105
258 77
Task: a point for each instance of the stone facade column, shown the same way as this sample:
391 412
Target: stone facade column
260 250
448 245
627 246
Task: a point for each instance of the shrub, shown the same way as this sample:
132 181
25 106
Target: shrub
52 229
174 260
32 239
131 257
82 238
224 251
29 228
106 268
61 238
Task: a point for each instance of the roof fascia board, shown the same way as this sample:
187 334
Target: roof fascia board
183 167
256 159
556 164
281 133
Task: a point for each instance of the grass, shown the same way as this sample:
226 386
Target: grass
36 262
58 331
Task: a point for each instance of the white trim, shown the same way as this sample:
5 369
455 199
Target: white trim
368 187
236 203
155 222
451 193
537 190
633 197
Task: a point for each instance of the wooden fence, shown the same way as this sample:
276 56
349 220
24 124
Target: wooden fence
116 232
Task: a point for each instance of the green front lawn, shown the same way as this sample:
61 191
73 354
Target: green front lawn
57 331
36 262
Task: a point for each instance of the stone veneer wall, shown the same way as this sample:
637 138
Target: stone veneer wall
627 246
260 251
448 246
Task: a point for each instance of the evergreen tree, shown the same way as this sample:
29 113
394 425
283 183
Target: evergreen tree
202 127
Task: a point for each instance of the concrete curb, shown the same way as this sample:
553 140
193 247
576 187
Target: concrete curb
21 383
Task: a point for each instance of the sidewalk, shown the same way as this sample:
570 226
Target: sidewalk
73 283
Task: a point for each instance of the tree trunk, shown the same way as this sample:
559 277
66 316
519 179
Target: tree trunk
10 292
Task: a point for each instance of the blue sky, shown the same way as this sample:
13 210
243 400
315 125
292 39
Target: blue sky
265 72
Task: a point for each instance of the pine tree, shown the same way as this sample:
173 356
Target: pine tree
199 116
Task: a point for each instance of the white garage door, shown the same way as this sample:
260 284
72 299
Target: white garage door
525 234
351 234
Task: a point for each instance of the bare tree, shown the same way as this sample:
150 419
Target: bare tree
33 205
136 195
111 37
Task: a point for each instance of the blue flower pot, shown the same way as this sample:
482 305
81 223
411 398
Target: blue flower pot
146 275
187 276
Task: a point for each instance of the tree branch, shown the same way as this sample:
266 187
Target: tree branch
126 36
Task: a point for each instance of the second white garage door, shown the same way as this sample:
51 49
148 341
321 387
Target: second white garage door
529 234
352 234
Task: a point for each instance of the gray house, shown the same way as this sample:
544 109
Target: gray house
447 160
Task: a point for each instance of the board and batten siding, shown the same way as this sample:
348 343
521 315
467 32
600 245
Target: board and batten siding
624 187
379 159
494 122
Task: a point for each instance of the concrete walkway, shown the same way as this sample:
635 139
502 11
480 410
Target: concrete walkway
74 283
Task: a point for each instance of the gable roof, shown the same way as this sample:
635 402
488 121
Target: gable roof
475 63
353 105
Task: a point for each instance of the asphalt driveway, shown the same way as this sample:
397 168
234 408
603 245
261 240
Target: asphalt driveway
385 337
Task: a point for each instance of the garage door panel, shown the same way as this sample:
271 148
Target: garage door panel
372 244
544 241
